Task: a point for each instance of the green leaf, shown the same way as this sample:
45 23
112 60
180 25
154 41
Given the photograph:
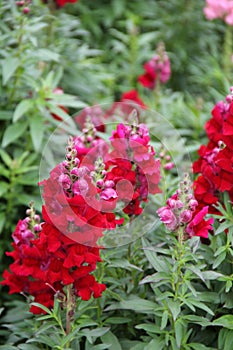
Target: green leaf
70 337
158 264
6 158
200 305
117 320
140 346
6 115
110 338
8 347
225 339
154 344
46 55
219 259
179 332
37 131
148 327
228 286
23 107
197 272
224 321
42 307
28 347
98 332
198 346
134 303
202 321
3 188
58 111
156 277
44 339
124 264
96 347
164 320
174 307
223 227
13 132
67 101
9 66
211 275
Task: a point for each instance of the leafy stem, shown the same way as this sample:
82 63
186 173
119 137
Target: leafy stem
18 72
70 307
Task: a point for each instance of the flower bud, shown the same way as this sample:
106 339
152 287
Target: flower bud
185 216
26 10
109 183
100 183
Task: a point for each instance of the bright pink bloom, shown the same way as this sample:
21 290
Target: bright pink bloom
167 216
219 9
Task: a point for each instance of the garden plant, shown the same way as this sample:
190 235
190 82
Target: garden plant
116 175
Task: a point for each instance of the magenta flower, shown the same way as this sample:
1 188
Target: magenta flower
168 218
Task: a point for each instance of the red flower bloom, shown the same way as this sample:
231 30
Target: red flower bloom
158 68
133 96
148 79
198 226
215 163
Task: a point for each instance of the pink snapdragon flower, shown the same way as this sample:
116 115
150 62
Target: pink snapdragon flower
222 9
182 211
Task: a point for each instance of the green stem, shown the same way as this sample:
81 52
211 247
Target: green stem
157 93
70 308
19 53
179 256
11 194
227 51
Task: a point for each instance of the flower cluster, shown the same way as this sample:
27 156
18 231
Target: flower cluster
46 261
132 159
156 69
219 9
80 202
182 212
215 164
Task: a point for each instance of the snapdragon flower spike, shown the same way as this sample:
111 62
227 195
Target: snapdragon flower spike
215 163
133 167
95 114
165 158
156 69
182 211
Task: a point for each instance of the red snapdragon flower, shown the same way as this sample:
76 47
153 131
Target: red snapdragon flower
158 68
215 164
80 198
198 226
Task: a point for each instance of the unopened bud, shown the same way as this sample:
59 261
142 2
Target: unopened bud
26 10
